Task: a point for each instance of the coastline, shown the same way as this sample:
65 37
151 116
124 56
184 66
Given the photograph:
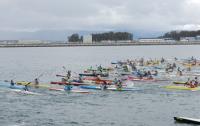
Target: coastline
99 44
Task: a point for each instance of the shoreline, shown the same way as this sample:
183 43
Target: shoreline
98 44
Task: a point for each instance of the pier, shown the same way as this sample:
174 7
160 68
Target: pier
99 44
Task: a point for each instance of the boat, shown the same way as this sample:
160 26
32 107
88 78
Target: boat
179 82
7 85
94 75
187 120
182 88
25 92
33 85
97 80
69 83
73 90
109 88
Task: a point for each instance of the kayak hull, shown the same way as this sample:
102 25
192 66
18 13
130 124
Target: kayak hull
109 88
69 83
25 92
73 90
182 88
33 85
7 85
187 120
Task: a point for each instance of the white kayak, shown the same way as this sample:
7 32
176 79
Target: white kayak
73 90
187 120
25 92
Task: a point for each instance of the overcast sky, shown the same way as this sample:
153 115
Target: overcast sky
55 19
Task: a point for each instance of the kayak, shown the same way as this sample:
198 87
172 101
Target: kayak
97 80
93 75
32 84
7 85
69 83
182 88
187 120
109 88
73 90
179 82
25 92
141 79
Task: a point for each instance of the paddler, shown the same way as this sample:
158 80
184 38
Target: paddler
12 83
196 81
68 87
119 85
26 87
69 74
115 81
36 83
80 80
104 85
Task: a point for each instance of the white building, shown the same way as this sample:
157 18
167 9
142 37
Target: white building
156 40
187 39
32 42
87 39
151 40
198 38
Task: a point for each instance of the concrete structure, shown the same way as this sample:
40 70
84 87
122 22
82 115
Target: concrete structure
151 40
156 40
87 39
32 42
198 38
187 39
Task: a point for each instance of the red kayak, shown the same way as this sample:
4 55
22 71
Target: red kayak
97 80
69 83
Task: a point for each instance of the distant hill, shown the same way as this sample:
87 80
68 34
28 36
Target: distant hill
178 34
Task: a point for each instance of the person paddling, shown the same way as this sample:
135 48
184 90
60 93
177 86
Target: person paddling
68 87
104 85
36 83
119 85
26 87
12 83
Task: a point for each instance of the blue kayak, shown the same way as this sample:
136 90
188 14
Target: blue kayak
109 88
7 85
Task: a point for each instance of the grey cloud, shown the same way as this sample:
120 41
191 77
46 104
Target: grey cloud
19 16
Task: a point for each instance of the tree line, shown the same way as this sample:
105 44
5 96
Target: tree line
112 36
108 36
75 38
176 35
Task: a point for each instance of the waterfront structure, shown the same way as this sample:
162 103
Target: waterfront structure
151 40
156 40
187 39
32 42
87 39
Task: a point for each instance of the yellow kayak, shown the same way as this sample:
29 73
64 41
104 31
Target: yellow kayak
182 88
32 84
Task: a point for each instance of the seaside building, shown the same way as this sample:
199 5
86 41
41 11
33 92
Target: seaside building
156 40
32 42
87 39
188 39
198 38
151 40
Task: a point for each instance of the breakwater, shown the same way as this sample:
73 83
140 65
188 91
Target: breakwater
99 44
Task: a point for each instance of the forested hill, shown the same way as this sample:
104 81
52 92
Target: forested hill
178 34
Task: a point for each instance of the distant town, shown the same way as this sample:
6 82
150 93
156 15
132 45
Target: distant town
111 39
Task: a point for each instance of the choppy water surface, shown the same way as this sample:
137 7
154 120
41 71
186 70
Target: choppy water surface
152 106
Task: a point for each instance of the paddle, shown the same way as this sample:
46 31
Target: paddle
60 75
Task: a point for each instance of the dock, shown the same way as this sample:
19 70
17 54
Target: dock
98 44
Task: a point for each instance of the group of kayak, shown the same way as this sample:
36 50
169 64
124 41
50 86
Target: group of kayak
121 76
